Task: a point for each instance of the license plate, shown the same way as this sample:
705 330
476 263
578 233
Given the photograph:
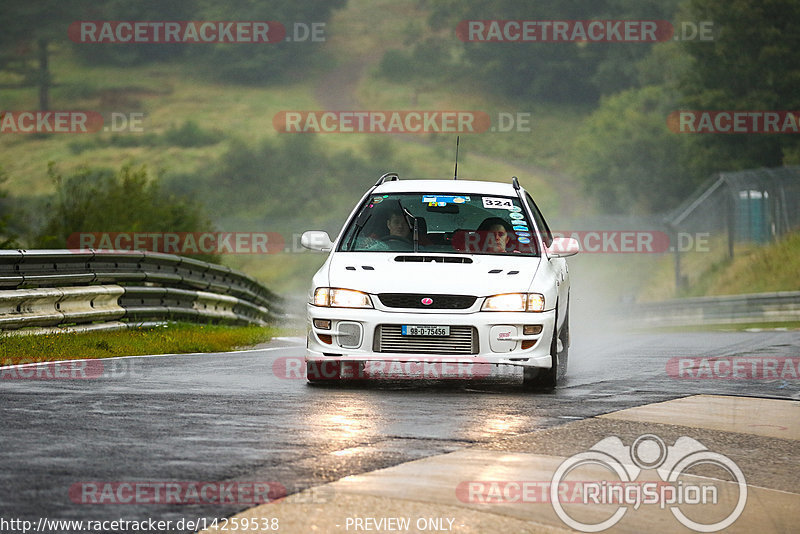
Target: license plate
421 330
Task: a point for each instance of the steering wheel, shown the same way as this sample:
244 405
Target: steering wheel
392 238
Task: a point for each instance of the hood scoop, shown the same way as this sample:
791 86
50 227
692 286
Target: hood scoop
433 259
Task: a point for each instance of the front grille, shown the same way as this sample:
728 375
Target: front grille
414 300
462 340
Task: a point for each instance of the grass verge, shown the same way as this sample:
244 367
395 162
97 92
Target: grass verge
172 338
709 273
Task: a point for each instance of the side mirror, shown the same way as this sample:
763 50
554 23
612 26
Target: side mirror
563 247
316 240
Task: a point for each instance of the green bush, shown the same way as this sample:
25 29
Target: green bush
187 135
129 200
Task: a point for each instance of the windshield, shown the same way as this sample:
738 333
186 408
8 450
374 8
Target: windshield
435 222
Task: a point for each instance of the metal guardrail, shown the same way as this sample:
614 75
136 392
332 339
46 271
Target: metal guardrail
48 288
750 308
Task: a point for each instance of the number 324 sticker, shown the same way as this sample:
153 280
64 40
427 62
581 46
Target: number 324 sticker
498 203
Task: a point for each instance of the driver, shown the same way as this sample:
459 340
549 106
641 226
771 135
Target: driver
400 235
398 226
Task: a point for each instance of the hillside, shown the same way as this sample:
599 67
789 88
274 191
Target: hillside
179 107
216 142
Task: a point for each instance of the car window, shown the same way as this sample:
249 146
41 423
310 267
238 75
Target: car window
451 223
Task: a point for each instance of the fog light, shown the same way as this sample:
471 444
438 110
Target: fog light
528 343
322 324
325 338
349 335
531 329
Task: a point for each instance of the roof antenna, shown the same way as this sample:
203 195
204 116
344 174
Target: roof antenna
455 173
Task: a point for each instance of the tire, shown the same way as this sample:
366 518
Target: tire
563 356
537 378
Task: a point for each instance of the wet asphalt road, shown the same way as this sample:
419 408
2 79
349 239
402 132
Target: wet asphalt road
228 417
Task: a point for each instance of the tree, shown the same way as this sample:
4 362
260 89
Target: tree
29 28
753 63
259 63
628 158
140 10
567 72
7 239
98 200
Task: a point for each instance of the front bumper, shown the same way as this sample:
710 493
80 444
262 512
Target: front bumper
497 336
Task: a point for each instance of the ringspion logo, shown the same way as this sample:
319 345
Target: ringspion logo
648 452
538 491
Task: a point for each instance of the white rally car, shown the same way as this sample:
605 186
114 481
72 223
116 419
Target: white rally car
441 269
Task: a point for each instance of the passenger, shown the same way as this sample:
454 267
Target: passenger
498 235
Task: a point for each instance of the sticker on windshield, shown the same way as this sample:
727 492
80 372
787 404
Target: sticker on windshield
441 200
498 203
523 234
516 208
524 240
522 228
377 200
516 215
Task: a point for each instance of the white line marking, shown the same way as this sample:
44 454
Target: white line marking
266 349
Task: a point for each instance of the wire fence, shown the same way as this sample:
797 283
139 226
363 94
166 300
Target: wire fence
732 211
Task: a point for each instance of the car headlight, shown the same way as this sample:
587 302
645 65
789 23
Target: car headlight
341 298
514 302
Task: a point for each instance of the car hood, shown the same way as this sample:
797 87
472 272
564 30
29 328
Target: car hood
381 273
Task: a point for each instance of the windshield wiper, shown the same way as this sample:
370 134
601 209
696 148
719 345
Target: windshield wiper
416 224
359 225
